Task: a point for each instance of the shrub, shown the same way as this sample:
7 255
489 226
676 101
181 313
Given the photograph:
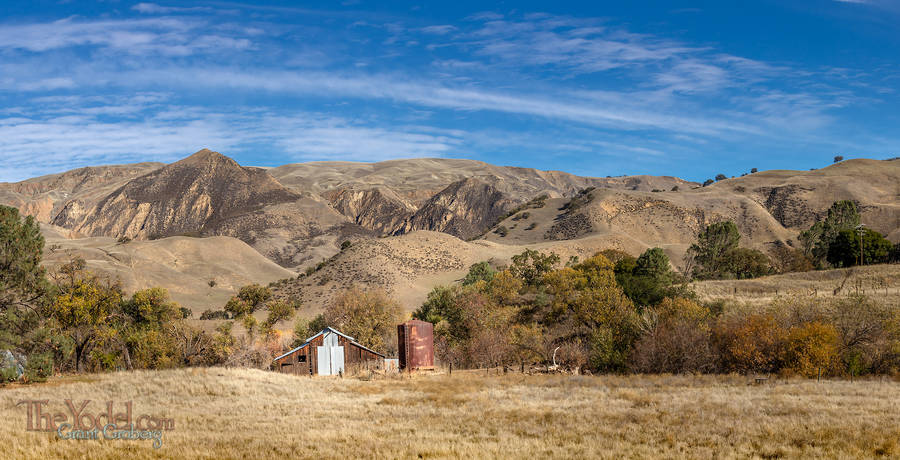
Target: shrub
482 271
213 314
721 177
346 244
753 170
708 182
812 348
750 343
674 345
39 367
675 188
502 231
185 312
531 226
838 158
786 259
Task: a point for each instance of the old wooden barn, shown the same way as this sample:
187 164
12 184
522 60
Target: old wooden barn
327 353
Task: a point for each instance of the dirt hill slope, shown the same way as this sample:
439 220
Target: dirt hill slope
183 265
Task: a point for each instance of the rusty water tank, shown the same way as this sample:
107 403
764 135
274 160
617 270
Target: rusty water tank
415 339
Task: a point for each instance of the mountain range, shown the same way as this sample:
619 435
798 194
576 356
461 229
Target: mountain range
408 223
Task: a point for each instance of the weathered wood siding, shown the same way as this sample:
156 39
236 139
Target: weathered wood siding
305 360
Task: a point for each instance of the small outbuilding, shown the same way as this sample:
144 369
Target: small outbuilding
415 340
327 353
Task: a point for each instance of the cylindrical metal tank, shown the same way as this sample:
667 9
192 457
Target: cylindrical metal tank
415 339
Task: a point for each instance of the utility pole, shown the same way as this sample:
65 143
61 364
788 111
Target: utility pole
860 229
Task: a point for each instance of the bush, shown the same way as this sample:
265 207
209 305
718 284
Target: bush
213 314
708 182
750 343
812 349
674 345
721 177
39 367
502 231
482 271
838 158
753 170
346 244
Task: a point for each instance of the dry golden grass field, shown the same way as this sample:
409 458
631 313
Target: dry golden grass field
240 413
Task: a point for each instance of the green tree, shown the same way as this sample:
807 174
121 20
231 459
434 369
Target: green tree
707 254
482 271
842 215
744 263
279 310
844 250
24 291
653 263
23 281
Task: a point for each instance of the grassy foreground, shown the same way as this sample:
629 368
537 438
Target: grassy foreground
240 413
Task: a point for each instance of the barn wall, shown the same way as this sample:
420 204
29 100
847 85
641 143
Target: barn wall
353 355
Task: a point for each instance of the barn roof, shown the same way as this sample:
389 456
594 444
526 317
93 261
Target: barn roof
327 329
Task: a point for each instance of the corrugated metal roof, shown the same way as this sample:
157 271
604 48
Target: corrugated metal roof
351 339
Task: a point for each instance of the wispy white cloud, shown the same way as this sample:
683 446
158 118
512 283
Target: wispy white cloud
73 133
166 36
153 8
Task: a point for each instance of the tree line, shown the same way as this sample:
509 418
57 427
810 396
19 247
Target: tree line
615 313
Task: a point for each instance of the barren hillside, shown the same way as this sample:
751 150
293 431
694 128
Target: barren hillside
183 265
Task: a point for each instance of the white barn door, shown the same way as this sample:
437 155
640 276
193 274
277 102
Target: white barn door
330 355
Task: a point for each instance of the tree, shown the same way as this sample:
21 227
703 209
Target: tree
24 291
370 317
23 282
85 310
279 310
787 259
844 250
653 262
753 170
838 158
842 215
530 266
482 271
249 299
712 244
812 348
647 280
744 263
708 182
721 177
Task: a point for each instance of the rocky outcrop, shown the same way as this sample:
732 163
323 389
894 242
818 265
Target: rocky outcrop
196 195
45 197
464 209
378 209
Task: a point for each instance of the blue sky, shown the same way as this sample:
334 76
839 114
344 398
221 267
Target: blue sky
689 89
